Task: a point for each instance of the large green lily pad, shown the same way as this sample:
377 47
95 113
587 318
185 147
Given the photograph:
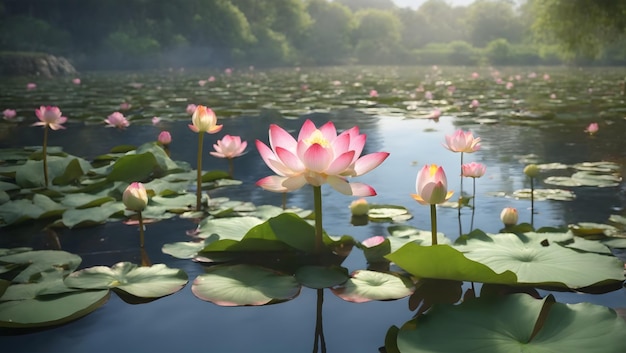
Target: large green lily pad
365 286
513 323
35 262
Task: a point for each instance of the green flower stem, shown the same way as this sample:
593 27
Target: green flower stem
460 199
45 155
532 201
473 203
284 201
433 223
231 168
141 242
317 200
319 342
199 177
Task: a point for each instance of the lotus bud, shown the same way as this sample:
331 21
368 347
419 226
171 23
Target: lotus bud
359 207
531 170
135 197
165 138
509 216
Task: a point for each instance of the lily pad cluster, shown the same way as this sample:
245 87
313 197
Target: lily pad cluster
42 288
86 193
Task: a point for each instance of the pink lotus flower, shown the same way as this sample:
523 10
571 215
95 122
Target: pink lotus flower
76 81
592 128
229 147
462 141
125 106
374 93
474 104
211 79
319 156
165 138
509 85
191 108
50 116
509 216
373 241
435 114
135 197
475 75
473 170
228 71
31 86
204 120
428 95
9 114
431 186
156 120
546 77
117 120
553 96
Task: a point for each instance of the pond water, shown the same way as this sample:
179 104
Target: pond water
537 119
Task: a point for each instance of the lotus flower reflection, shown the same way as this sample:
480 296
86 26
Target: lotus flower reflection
317 157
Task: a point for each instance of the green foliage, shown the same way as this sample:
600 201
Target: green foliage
498 51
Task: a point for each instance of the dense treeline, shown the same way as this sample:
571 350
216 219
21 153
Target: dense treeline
162 33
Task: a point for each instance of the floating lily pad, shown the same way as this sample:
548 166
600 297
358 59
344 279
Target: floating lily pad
365 286
35 262
237 285
91 216
485 325
388 213
545 194
318 277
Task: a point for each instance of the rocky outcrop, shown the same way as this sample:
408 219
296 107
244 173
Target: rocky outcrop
40 64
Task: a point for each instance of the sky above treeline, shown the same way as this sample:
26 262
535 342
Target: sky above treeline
416 3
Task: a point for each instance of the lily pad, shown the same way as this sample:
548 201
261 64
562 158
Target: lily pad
365 286
39 261
238 285
485 325
145 282
318 277
388 213
545 194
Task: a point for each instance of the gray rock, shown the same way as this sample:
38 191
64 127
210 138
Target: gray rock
40 64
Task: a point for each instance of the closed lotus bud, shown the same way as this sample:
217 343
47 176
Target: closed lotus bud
531 170
165 138
359 207
509 216
135 197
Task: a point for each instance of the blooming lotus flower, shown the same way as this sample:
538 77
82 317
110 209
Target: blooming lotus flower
592 128
509 85
31 86
125 106
135 197
228 71
211 79
76 81
204 120
117 120
229 147
428 95
553 96
462 141
50 116
165 138
435 114
156 120
373 241
431 186
474 104
473 170
317 157
374 93
475 75
201 83
509 216
9 114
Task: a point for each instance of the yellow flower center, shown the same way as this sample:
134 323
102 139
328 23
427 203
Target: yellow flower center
317 137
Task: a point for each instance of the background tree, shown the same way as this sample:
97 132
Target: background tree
487 20
328 39
377 36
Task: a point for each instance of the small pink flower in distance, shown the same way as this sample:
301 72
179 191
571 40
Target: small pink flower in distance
136 85
475 75
451 89
474 104
9 114
229 147
318 156
509 85
435 68
431 186
297 68
125 106
553 96
546 77
50 116
428 95
509 216
228 71
156 120
191 108
117 120
462 141
592 128
165 138
473 170
201 83
336 83
435 114
76 81
373 241
304 87
211 79
373 93
499 81
518 77
204 120
532 75
31 86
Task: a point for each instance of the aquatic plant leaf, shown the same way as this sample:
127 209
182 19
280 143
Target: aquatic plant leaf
48 282
155 281
540 263
540 326
234 228
50 310
238 285
133 167
318 277
40 207
545 194
365 286
30 174
187 249
388 213
446 262
39 261
91 216
83 200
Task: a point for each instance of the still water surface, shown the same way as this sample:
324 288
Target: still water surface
183 323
